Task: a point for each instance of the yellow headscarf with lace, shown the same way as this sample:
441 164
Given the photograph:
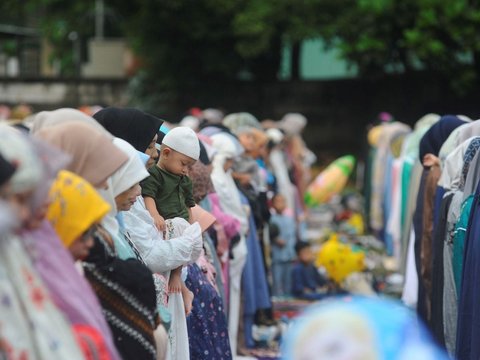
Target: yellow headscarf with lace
75 206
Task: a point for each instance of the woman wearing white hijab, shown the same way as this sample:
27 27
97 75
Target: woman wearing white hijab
161 257
230 201
123 181
122 193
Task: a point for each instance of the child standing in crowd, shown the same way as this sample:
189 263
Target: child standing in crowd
307 282
168 190
283 246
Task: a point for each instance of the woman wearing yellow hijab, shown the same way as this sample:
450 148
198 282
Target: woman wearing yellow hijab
75 208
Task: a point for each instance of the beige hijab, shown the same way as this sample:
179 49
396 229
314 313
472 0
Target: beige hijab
46 119
94 156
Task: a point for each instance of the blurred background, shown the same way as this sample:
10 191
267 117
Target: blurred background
338 62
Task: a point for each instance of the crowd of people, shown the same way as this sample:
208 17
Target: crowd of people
422 190
127 237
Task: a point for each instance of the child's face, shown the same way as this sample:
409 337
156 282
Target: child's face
175 162
279 204
306 255
248 141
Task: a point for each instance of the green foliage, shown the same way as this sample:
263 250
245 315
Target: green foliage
183 43
57 20
406 35
9 47
186 42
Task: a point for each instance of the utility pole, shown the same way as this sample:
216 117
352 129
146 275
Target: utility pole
99 19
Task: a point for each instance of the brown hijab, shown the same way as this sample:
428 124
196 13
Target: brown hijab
94 156
46 119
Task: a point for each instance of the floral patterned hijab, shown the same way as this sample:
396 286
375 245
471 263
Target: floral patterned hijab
75 206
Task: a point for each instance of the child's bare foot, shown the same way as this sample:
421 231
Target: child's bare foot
175 283
187 296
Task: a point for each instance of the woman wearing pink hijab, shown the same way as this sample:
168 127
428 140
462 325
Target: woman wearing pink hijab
70 291
125 288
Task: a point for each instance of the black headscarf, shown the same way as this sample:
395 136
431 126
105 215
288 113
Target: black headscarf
6 170
434 138
160 137
132 125
203 154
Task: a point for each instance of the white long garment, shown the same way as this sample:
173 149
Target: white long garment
160 255
231 204
228 195
31 326
236 269
183 247
178 334
410 288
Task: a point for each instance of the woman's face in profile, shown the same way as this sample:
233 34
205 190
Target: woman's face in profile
126 199
152 152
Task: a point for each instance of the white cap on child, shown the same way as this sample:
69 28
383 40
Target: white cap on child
184 140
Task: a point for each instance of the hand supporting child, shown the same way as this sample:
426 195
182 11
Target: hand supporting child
159 222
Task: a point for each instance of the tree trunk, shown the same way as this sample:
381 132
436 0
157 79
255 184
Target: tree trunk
265 67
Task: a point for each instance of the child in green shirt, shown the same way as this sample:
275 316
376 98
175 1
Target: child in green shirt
168 190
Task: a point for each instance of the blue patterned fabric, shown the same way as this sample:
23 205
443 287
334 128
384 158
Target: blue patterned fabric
207 324
467 159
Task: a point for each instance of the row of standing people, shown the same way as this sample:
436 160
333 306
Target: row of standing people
87 262
422 190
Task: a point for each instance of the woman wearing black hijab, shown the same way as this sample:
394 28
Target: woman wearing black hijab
134 126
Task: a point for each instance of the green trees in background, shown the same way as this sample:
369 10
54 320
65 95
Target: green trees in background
190 40
401 36
183 43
